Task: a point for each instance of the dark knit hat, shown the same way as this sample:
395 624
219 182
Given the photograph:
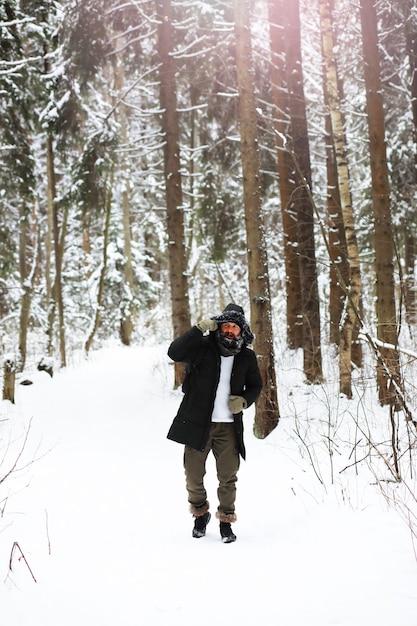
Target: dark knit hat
234 313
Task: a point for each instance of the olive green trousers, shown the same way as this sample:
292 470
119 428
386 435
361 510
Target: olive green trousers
222 442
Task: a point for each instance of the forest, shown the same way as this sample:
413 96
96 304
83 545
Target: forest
163 158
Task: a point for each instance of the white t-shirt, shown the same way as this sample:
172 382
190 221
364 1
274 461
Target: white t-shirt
221 411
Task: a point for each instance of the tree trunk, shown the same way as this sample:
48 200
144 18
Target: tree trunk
337 239
286 174
411 38
410 256
126 309
25 253
353 284
177 257
25 304
28 261
58 250
126 305
384 248
302 199
410 242
339 267
267 411
9 375
100 292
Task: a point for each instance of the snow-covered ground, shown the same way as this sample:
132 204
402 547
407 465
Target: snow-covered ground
97 506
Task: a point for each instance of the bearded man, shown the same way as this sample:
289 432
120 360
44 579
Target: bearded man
222 379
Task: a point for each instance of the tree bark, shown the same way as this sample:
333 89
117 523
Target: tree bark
126 305
9 376
339 267
410 256
58 250
267 411
26 252
350 322
302 199
286 174
177 257
411 43
384 247
100 292
337 239
410 241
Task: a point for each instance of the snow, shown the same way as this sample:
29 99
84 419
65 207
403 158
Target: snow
97 506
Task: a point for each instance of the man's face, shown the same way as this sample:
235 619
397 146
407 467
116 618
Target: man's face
230 330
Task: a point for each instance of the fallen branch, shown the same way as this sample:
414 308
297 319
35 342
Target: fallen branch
389 346
22 556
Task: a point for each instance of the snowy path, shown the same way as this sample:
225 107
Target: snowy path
109 501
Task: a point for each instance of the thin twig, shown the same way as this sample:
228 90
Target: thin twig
13 468
309 454
22 556
47 531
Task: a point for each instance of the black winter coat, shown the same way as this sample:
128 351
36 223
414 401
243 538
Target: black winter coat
191 425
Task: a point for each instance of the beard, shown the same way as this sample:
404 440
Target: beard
228 343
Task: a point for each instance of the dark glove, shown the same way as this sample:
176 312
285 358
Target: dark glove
237 404
206 324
